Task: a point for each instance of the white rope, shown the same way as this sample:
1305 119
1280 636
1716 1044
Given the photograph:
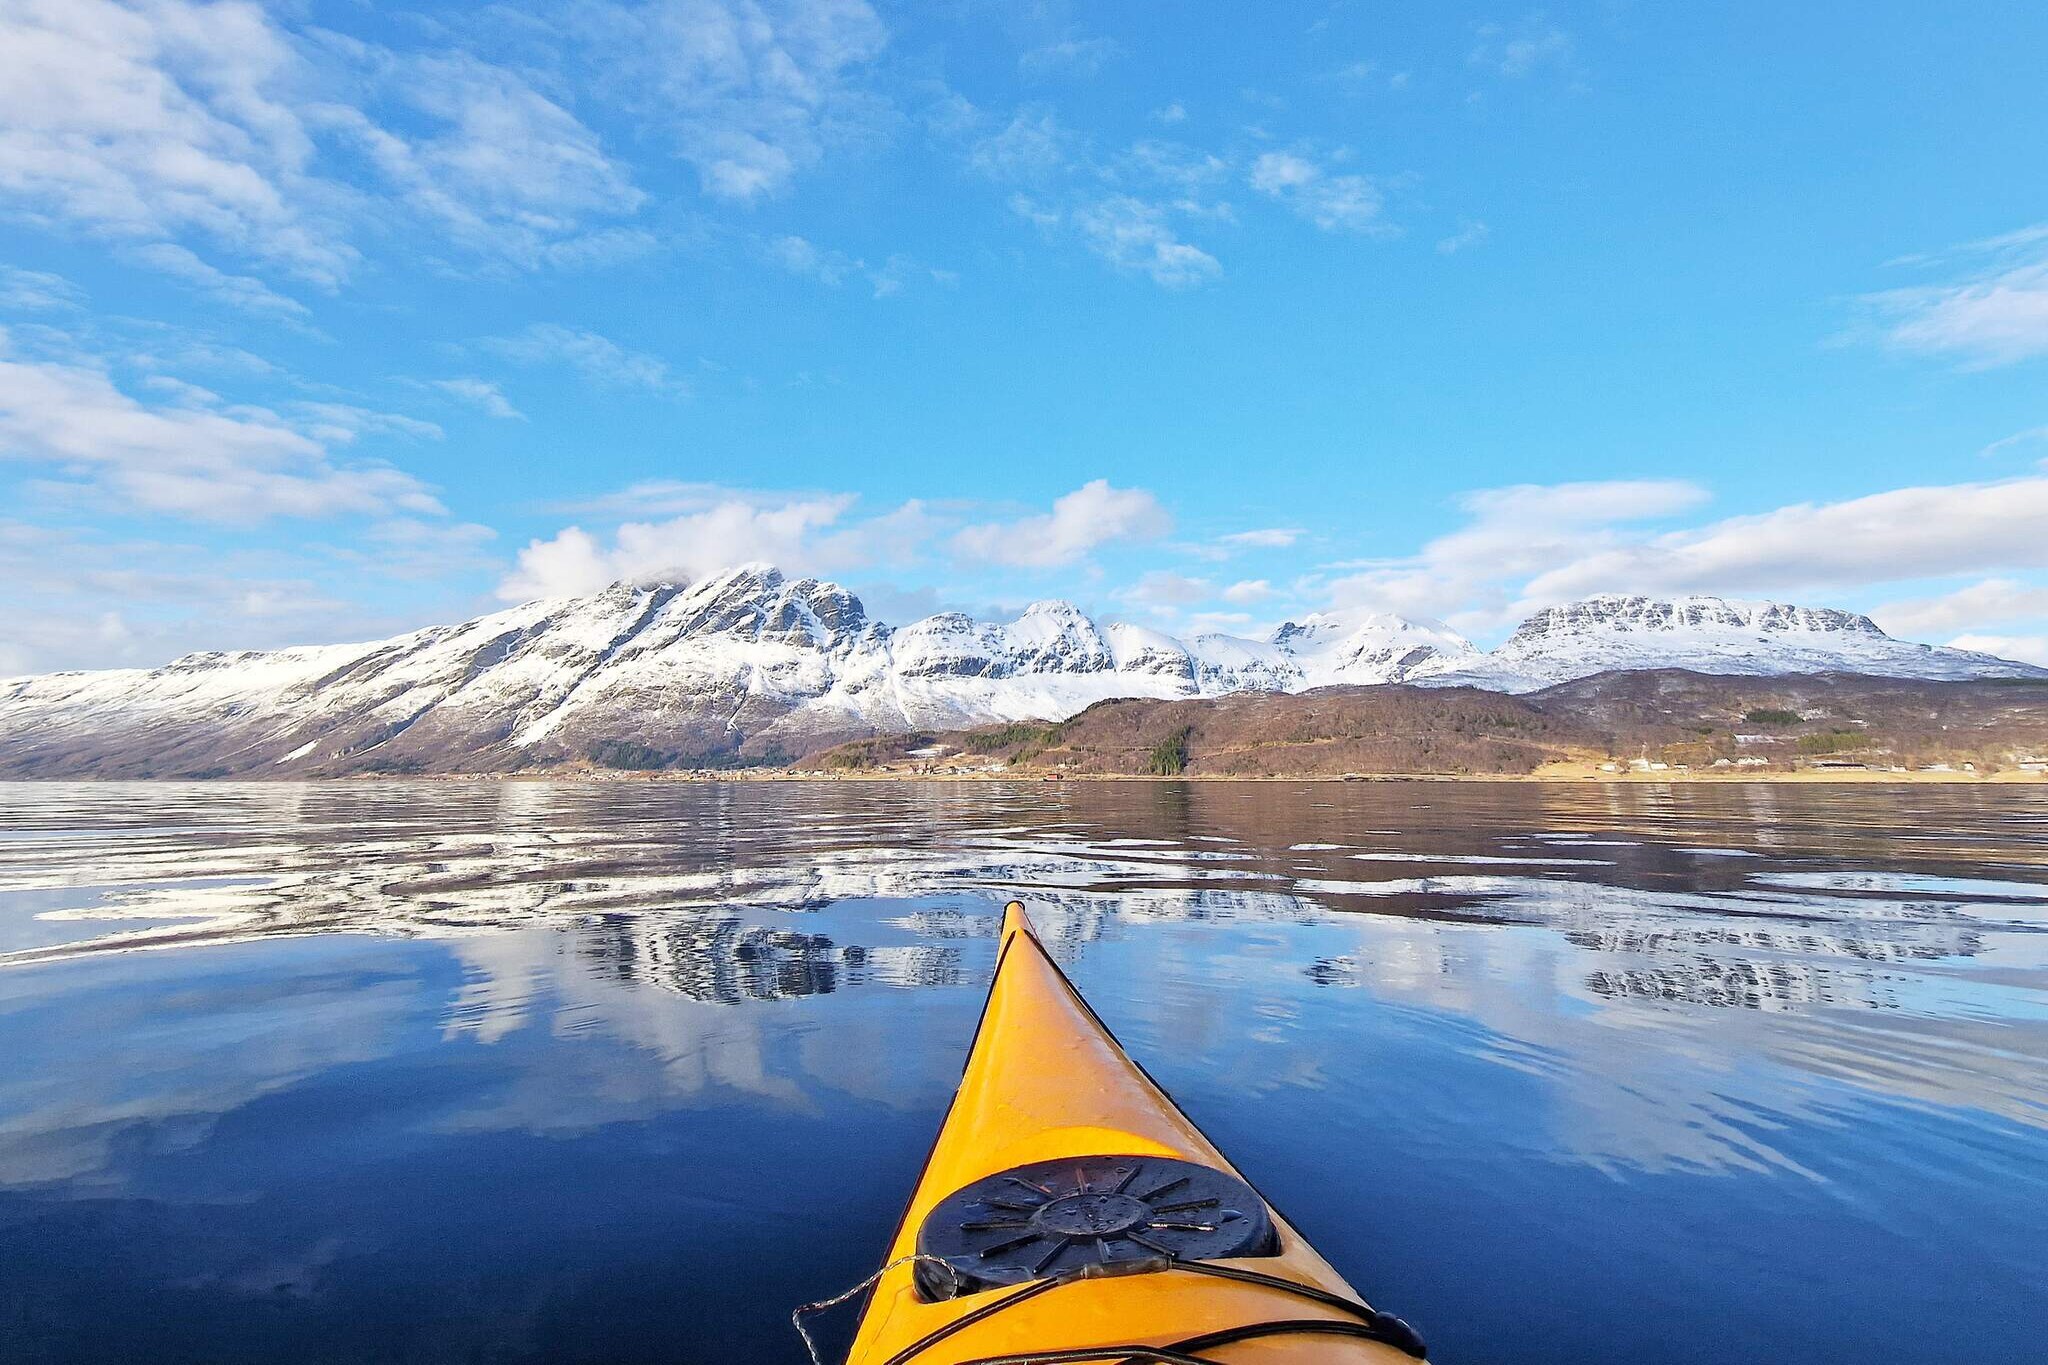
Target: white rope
796 1318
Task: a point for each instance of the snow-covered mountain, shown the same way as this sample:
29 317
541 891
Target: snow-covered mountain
1713 635
750 665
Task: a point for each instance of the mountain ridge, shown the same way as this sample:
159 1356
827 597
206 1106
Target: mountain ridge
753 666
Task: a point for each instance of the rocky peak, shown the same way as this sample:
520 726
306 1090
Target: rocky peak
1057 637
1371 646
1617 614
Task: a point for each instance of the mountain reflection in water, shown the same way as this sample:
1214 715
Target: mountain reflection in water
525 1071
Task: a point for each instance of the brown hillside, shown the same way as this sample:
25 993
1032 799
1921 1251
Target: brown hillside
1665 716
1331 731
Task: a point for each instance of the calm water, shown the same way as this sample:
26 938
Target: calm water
528 1072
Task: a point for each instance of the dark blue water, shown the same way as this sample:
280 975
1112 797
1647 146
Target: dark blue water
527 1072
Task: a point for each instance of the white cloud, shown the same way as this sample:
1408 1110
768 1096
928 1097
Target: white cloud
1082 521
597 357
1535 545
1170 114
1469 234
1992 602
190 458
2026 649
1135 236
37 291
723 527
1903 534
1474 576
483 394
1247 591
1522 48
752 92
1334 203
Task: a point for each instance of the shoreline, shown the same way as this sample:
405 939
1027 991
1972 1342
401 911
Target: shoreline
1564 774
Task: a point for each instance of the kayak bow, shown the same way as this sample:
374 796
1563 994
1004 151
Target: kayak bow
1069 1211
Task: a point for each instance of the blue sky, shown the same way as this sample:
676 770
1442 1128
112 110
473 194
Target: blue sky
323 320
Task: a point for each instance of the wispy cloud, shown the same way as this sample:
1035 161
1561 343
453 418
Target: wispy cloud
1138 237
485 395
1521 48
193 457
1127 209
420 549
1333 202
148 123
474 149
800 256
1031 149
192 129
1994 312
242 292
1071 56
828 266
1262 538
37 291
1468 235
2031 436
749 92
591 354
76 598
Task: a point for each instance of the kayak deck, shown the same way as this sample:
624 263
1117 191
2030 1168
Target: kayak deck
1109 1255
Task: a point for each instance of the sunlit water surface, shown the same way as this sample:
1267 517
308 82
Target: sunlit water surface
517 1072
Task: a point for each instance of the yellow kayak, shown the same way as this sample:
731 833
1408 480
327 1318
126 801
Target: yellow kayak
1070 1212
